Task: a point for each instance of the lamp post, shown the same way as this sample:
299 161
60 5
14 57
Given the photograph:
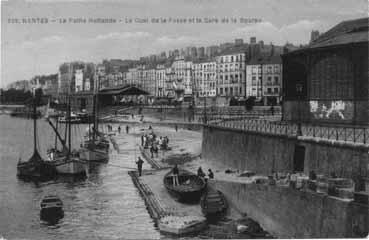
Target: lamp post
299 89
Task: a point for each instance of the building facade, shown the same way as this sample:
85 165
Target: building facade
204 76
231 77
182 77
264 79
160 81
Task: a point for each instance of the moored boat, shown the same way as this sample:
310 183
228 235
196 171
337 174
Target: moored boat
51 208
181 225
95 148
67 162
213 204
190 186
71 165
35 168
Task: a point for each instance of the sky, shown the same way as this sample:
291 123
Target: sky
34 49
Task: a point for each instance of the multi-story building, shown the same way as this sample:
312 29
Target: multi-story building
264 79
100 77
201 52
68 73
204 78
78 78
211 51
231 79
115 79
169 82
148 80
133 76
182 82
160 81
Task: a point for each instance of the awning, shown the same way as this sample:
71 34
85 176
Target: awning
126 90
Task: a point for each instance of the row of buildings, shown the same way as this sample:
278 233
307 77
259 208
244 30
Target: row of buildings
239 71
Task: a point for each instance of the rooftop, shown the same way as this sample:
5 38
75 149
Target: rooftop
346 32
265 60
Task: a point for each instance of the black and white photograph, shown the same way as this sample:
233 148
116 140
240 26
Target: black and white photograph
184 119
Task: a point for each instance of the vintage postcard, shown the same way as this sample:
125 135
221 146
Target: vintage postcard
181 119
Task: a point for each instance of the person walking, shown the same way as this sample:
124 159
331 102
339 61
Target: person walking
175 175
139 166
119 129
127 129
142 140
176 127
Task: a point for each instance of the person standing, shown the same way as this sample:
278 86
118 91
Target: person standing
176 127
139 166
210 174
119 129
175 175
200 173
127 129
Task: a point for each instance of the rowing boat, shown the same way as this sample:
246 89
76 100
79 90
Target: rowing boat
213 204
190 186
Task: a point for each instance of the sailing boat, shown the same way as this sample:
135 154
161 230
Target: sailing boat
69 163
96 147
35 168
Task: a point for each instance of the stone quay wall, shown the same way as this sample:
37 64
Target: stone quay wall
286 212
290 213
264 153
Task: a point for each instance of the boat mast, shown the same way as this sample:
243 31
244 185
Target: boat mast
69 127
65 123
97 105
34 125
56 137
94 116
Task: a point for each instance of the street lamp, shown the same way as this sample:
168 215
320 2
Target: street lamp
299 89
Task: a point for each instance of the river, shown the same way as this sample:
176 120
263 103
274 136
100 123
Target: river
105 205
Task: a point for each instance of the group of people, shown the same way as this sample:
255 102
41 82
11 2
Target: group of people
153 142
201 173
110 128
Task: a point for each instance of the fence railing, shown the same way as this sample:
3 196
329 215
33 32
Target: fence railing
355 134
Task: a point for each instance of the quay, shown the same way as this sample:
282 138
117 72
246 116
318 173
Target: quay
185 148
282 210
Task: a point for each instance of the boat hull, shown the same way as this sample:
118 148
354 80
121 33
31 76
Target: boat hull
184 192
71 167
213 205
94 155
36 171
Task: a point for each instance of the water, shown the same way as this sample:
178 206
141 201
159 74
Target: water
106 205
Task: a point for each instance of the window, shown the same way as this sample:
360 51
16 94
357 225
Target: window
221 91
275 90
276 80
269 79
231 91
226 90
231 58
269 90
226 77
